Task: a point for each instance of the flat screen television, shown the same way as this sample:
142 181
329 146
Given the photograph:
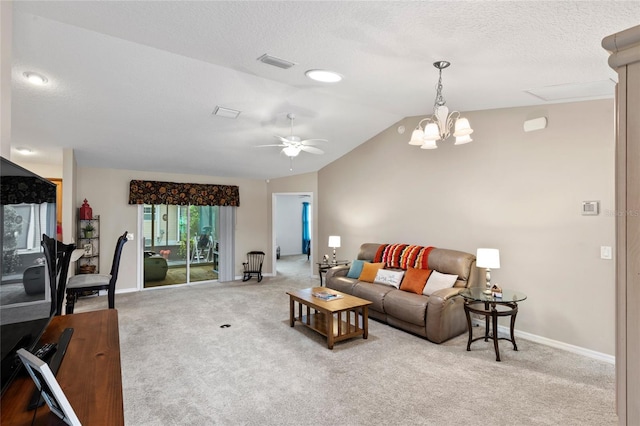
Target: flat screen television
28 210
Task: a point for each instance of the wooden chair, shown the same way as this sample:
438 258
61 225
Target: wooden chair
81 283
253 265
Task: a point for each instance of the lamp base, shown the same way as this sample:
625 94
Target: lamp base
488 277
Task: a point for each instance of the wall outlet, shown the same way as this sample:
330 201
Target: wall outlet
129 237
605 252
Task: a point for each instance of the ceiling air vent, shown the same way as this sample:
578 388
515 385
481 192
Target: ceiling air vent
276 62
225 112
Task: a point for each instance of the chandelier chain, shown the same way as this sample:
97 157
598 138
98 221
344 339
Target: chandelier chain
439 98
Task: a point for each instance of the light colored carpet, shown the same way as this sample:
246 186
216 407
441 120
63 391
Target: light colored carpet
180 367
178 275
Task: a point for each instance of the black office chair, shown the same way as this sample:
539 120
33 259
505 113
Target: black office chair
253 265
81 283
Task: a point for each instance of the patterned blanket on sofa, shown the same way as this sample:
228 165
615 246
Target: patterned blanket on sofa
403 256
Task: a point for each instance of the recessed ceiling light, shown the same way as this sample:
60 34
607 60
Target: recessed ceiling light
24 151
35 78
324 76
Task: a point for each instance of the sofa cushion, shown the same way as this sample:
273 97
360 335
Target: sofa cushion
415 280
405 306
369 271
356 269
375 293
389 277
438 281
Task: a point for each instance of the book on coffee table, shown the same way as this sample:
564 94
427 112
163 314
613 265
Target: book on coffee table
325 295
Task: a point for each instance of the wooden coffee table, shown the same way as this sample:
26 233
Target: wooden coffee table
335 319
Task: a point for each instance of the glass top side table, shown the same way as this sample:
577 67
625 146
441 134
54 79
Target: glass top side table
478 302
325 266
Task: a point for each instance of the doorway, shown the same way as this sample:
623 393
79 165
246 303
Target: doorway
180 244
293 228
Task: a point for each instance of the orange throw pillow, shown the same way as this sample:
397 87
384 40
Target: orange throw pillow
415 280
369 271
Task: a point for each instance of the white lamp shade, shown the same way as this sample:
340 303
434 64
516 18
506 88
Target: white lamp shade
488 258
430 144
461 140
462 127
291 151
416 137
334 241
431 132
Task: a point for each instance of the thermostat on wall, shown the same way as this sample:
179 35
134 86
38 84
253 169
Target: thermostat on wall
590 208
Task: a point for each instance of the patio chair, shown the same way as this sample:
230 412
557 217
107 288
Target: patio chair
253 265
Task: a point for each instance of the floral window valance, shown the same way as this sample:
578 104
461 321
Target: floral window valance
172 193
26 189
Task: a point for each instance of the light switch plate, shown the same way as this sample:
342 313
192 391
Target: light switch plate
605 252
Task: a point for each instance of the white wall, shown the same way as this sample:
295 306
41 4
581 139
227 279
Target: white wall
515 191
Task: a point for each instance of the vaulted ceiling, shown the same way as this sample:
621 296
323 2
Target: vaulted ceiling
133 84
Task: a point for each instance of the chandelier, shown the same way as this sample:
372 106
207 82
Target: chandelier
439 125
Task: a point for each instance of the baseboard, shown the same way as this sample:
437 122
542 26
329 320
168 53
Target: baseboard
554 343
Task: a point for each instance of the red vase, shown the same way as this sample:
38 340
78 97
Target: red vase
85 211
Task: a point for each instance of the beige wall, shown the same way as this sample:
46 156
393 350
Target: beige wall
107 191
515 191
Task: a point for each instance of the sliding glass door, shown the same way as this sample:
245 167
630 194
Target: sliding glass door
180 244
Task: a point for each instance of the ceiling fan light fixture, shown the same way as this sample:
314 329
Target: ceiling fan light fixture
291 151
323 76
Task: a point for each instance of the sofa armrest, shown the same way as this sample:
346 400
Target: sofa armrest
337 271
444 294
445 315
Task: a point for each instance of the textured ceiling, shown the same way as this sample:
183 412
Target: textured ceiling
132 85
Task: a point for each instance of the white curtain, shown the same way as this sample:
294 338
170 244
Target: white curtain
227 249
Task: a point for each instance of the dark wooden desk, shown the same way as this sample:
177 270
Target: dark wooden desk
89 375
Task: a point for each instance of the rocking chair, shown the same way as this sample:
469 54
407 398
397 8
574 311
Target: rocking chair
253 265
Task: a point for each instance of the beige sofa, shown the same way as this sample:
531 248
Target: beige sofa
437 317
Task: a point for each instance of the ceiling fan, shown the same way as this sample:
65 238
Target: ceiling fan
292 145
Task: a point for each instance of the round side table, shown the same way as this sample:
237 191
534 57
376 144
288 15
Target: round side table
478 302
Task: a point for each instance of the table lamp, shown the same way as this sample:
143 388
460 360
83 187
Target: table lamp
334 241
490 259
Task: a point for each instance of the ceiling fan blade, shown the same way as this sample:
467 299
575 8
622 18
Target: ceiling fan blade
313 141
311 149
283 140
262 146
